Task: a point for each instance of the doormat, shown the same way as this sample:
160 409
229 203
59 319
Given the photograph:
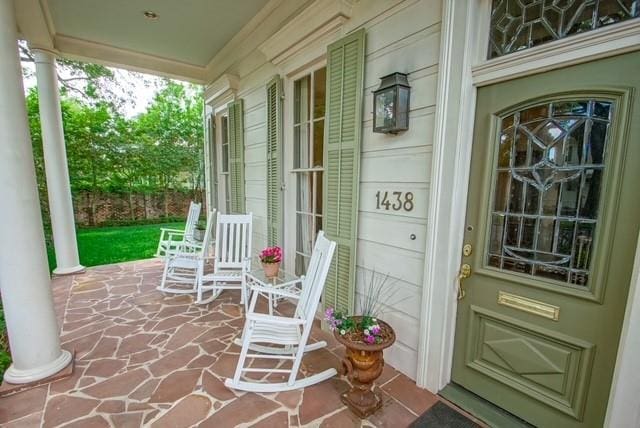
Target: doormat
442 416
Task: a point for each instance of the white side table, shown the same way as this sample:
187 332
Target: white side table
283 280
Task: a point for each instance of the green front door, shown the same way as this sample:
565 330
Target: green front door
552 222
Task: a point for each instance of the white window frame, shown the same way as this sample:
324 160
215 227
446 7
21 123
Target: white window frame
463 69
223 177
291 186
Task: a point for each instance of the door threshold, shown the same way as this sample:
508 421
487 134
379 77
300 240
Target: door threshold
480 408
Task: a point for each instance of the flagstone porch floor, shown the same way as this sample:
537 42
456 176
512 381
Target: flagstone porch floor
148 359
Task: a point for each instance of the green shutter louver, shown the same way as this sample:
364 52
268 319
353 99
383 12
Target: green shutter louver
236 157
345 69
274 161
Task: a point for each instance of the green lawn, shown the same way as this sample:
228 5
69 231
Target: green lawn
105 245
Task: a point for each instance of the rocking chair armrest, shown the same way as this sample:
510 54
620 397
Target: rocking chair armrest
169 229
273 290
272 319
289 283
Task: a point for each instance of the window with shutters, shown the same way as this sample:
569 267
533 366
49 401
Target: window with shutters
308 146
224 178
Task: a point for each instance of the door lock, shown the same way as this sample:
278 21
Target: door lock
467 249
465 272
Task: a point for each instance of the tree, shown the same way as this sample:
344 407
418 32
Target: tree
174 136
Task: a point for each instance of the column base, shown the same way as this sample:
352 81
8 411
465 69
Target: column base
16 376
69 271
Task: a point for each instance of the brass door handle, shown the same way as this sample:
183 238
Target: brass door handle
465 272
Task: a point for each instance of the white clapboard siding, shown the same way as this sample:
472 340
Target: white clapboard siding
255 116
375 227
415 136
403 56
399 263
415 16
396 166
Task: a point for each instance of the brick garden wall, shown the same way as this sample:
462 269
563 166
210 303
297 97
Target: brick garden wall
94 209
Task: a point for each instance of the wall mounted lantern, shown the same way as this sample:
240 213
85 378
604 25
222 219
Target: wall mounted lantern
391 104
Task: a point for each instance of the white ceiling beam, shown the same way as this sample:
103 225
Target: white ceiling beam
84 50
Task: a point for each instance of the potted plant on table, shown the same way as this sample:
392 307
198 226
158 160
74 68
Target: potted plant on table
198 232
271 257
364 337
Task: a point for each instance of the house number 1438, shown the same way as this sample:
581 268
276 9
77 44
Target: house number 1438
395 201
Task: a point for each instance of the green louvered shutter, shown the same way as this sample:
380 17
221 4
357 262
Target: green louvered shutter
274 161
236 157
211 162
345 65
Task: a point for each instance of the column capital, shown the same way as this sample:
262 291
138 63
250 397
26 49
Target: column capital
43 55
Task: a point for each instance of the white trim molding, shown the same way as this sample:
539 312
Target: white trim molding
448 196
320 18
463 68
227 84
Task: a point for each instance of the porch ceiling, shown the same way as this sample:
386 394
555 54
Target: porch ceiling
182 41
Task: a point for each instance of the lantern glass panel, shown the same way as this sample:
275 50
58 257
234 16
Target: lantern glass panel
385 108
403 108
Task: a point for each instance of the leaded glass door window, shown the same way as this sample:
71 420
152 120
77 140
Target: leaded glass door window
521 24
550 163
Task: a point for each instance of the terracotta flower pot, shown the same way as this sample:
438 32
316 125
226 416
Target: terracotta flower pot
363 364
271 269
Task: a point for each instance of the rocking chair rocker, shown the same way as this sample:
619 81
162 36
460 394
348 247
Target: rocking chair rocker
289 335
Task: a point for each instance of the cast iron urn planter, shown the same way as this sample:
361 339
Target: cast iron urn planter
363 364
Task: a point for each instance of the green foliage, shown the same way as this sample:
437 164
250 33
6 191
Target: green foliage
5 357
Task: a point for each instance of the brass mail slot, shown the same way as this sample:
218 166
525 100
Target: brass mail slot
525 304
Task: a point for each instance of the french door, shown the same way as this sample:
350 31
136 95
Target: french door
551 227
305 166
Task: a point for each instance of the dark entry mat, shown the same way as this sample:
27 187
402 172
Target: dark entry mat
442 416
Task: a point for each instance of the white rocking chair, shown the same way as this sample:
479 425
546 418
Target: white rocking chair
232 258
171 239
289 335
185 265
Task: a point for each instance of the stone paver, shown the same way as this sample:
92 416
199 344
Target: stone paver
148 359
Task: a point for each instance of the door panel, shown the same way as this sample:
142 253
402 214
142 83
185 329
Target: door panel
552 219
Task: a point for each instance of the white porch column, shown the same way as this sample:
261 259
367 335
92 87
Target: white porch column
24 272
55 163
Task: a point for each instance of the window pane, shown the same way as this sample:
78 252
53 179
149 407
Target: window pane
517 25
318 191
301 100
304 198
319 82
305 235
551 191
301 152
225 158
318 142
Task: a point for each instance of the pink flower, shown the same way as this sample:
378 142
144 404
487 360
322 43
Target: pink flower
271 255
370 339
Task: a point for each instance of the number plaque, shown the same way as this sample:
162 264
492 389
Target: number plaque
394 201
